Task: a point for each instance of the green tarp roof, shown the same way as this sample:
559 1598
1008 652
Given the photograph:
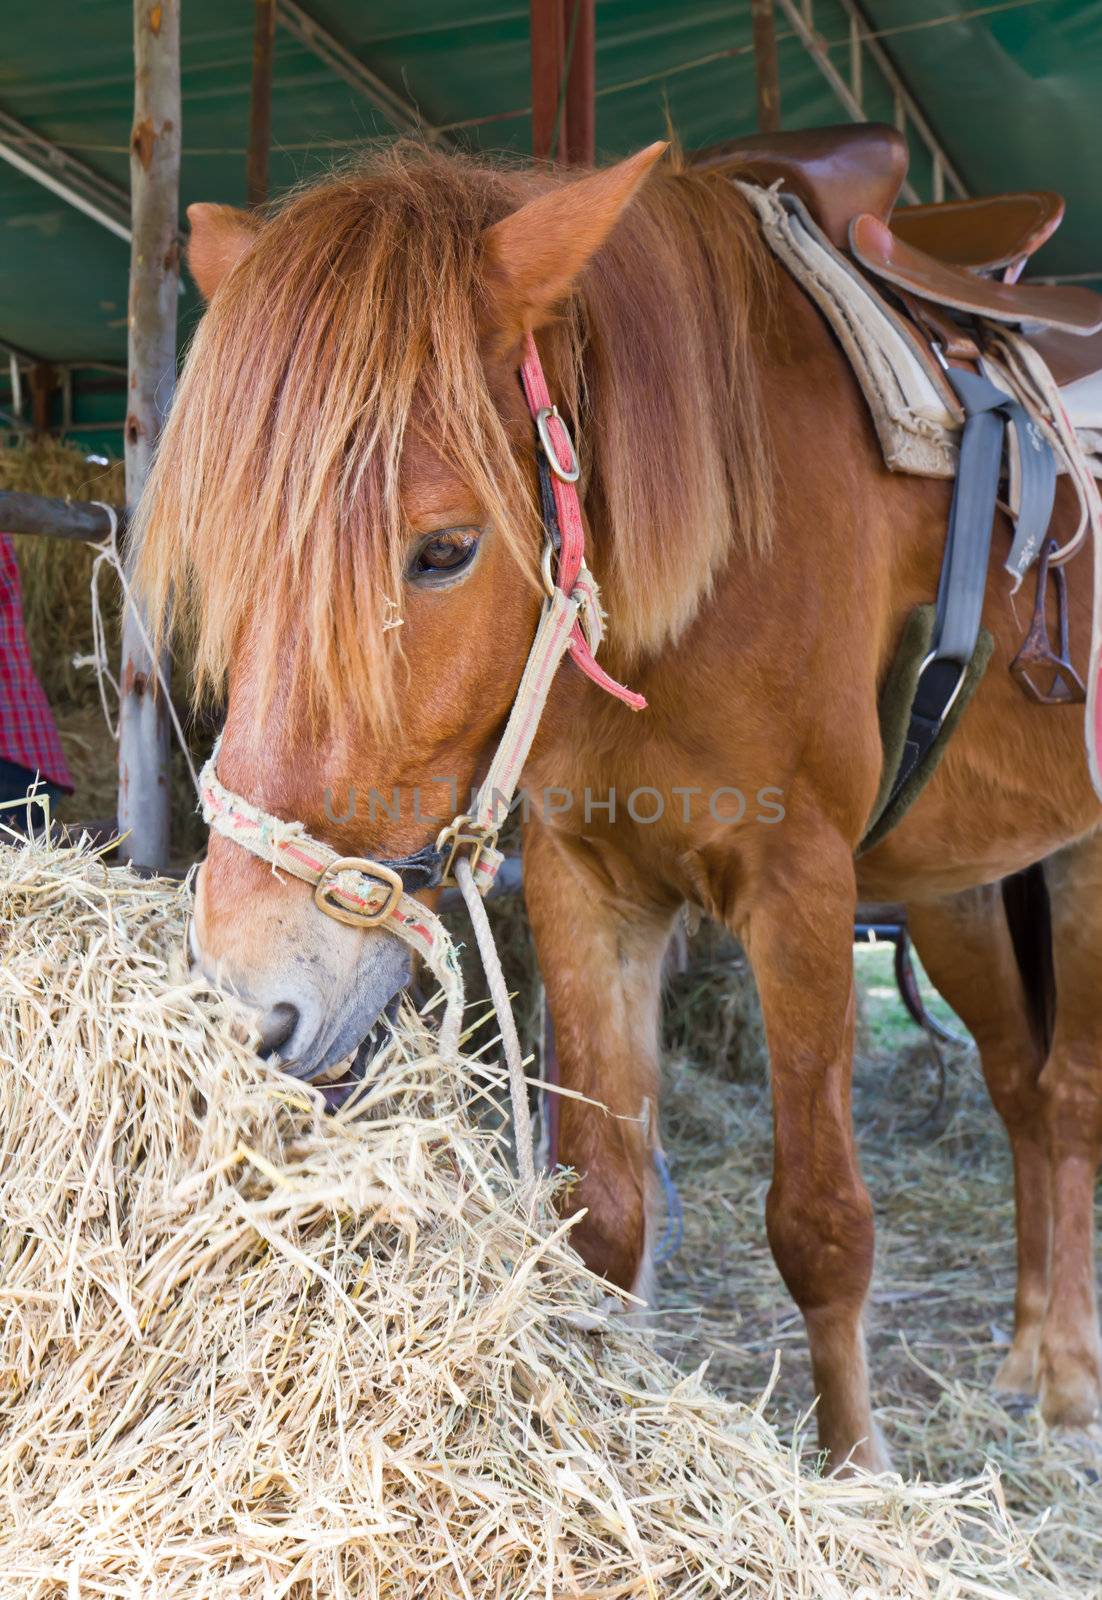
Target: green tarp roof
1013 92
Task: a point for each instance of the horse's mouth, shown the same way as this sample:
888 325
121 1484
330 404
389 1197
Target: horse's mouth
339 1083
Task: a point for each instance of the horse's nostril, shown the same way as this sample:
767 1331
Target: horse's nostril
276 1027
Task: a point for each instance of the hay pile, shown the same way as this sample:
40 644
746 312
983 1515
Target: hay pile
250 1351
55 573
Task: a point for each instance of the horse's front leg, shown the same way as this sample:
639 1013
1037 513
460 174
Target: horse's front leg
600 940
798 931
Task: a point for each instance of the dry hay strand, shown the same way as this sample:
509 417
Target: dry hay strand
56 573
249 1350
941 1307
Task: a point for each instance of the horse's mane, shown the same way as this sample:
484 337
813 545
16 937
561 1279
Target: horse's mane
275 498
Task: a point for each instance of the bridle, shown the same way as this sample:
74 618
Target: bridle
367 893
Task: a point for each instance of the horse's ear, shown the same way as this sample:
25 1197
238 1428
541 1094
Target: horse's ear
220 236
533 255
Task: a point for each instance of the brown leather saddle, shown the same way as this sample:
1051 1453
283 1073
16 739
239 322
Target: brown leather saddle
950 267
962 256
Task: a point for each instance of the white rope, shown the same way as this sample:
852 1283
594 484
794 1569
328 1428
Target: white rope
98 660
108 553
518 1087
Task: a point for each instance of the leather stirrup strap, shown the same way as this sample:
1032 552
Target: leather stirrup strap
1036 463
988 412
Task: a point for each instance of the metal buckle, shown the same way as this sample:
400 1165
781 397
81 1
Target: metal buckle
464 831
547 565
385 877
569 474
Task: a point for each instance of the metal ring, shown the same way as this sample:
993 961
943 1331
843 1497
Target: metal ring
569 474
962 669
546 573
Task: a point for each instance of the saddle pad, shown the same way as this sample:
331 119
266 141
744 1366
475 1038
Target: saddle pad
916 414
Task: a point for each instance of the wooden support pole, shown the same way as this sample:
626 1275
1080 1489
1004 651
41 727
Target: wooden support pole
144 795
260 104
765 66
43 385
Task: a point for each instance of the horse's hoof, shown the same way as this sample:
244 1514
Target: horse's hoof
1071 1396
1016 1378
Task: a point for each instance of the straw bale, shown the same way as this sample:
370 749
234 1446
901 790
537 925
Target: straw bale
250 1350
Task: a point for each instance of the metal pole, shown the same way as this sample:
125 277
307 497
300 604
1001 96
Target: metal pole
578 141
765 66
260 105
144 794
547 46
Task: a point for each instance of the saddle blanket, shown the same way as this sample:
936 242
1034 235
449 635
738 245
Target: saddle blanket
917 417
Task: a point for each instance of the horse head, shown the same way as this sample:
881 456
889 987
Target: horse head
345 510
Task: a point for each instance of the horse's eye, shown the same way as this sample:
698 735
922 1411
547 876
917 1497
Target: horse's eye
444 553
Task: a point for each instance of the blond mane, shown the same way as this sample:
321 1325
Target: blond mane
275 499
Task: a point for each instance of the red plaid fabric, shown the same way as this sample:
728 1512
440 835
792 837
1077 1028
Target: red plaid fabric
28 734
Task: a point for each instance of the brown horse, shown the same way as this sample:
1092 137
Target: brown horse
345 506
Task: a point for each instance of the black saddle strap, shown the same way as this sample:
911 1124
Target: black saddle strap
988 413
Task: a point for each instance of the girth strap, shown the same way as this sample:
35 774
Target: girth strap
989 412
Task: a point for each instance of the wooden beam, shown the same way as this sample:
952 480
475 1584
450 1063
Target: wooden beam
766 72
260 104
580 108
59 519
144 794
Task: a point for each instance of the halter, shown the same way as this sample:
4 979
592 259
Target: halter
376 894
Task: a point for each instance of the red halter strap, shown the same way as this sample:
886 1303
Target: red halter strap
558 447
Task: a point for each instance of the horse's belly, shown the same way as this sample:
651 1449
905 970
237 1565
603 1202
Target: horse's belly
996 805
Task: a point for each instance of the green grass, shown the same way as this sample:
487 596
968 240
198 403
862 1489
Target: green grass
887 1025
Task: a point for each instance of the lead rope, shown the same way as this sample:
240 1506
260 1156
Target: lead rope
499 994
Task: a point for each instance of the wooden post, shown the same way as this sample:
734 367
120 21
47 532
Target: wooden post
260 105
43 385
765 66
144 794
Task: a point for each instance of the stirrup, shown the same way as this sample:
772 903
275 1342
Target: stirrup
1037 654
